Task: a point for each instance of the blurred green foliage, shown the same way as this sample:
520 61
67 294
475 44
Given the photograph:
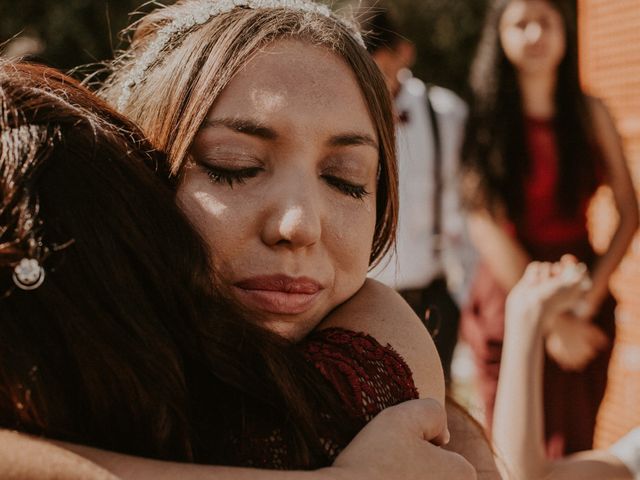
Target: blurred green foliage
72 32
77 32
445 33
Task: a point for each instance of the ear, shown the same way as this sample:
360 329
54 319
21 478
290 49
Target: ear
406 51
384 58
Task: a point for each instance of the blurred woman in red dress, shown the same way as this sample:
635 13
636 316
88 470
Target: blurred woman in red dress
537 149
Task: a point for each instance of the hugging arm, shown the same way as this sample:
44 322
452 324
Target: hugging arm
394 445
468 438
380 312
24 458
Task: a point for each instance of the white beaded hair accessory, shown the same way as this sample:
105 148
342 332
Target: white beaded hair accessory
20 146
200 15
28 274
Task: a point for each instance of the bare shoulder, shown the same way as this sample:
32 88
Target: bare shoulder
379 311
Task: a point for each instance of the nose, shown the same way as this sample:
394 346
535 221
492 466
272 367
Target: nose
533 32
293 219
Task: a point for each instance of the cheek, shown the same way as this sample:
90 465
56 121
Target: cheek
212 216
205 210
350 235
512 43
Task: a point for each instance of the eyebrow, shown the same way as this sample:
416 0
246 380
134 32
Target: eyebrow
256 129
353 140
248 127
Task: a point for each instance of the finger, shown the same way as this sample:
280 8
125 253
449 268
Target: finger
580 310
557 268
531 272
568 259
573 272
424 418
544 271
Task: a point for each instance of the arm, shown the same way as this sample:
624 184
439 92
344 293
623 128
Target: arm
518 426
468 438
379 311
504 256
518 416
394 445
390 447
23 458
625 199
589 465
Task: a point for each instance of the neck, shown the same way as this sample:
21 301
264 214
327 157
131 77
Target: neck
538 95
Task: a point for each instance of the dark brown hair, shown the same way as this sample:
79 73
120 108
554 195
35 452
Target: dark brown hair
495 152
124 342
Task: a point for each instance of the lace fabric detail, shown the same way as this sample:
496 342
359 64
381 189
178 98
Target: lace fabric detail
367 376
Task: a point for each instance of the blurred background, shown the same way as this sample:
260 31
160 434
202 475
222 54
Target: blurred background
65 34
69 33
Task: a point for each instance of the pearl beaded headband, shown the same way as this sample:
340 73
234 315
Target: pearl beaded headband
200 15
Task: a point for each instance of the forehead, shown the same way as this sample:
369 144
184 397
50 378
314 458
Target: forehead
291 78
519 9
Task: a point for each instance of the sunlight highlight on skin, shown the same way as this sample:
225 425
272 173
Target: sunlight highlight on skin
209 203
268 101
292 220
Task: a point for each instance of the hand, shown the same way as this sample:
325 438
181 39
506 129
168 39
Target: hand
396 445
545 290
573 343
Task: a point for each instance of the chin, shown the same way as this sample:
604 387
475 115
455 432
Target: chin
290 330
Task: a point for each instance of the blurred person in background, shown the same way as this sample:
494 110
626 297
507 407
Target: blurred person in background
537 148
431 247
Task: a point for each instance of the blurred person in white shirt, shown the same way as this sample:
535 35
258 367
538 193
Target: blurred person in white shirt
433 257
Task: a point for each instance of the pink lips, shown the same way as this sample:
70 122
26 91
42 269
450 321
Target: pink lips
279 294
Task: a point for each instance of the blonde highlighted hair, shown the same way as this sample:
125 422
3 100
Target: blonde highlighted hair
180 86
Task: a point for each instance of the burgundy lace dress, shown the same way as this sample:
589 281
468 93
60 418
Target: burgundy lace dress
367 376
